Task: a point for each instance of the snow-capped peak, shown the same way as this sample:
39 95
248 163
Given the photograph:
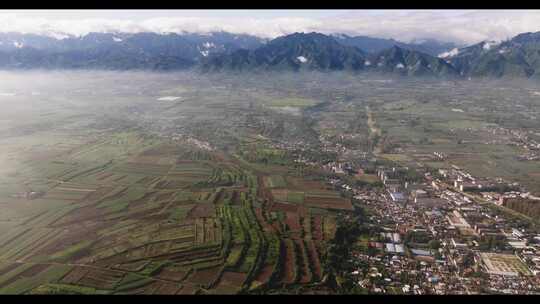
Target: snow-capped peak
209 45
302 59
18 44
400 66
453 52
488 44
204 53
116 39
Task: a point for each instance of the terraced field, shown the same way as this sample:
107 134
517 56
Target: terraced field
166 218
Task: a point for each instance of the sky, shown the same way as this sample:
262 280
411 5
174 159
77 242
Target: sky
459 26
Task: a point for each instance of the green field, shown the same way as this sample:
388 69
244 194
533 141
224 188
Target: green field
293 102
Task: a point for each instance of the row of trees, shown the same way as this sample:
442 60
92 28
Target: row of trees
338 263
528 207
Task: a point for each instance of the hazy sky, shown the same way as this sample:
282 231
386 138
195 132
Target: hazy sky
464 26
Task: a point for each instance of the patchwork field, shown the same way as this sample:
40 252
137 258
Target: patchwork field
132 215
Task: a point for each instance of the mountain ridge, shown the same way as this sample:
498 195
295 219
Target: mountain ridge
296 51
315 51
374 45
109 50
221 51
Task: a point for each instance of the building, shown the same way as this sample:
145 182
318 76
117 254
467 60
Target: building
456 219
518 244
421 252
394 248
393 187
419 193
464 187
486 230
458 245
398 197
430 201
376 245
392 237
517 233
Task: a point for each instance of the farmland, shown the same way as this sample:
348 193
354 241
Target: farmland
104 190
122 210
156 222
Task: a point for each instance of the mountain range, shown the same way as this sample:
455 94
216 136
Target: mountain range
373 45
222 51
118 50
315 51
516 57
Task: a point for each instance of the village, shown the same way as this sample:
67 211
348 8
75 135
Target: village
443 235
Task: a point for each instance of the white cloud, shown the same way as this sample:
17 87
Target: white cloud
458 26
407 25
268 28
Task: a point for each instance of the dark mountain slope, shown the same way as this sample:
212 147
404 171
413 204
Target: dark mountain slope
295 52
411 63
374 45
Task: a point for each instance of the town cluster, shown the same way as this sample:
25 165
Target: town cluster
442 233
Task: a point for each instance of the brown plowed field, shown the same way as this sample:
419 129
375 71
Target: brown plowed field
289 265
264 274
316 227
314 258
293 222
328 203
205 277
284 207
305 271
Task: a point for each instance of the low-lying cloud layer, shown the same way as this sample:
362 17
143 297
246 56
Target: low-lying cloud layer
456 26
